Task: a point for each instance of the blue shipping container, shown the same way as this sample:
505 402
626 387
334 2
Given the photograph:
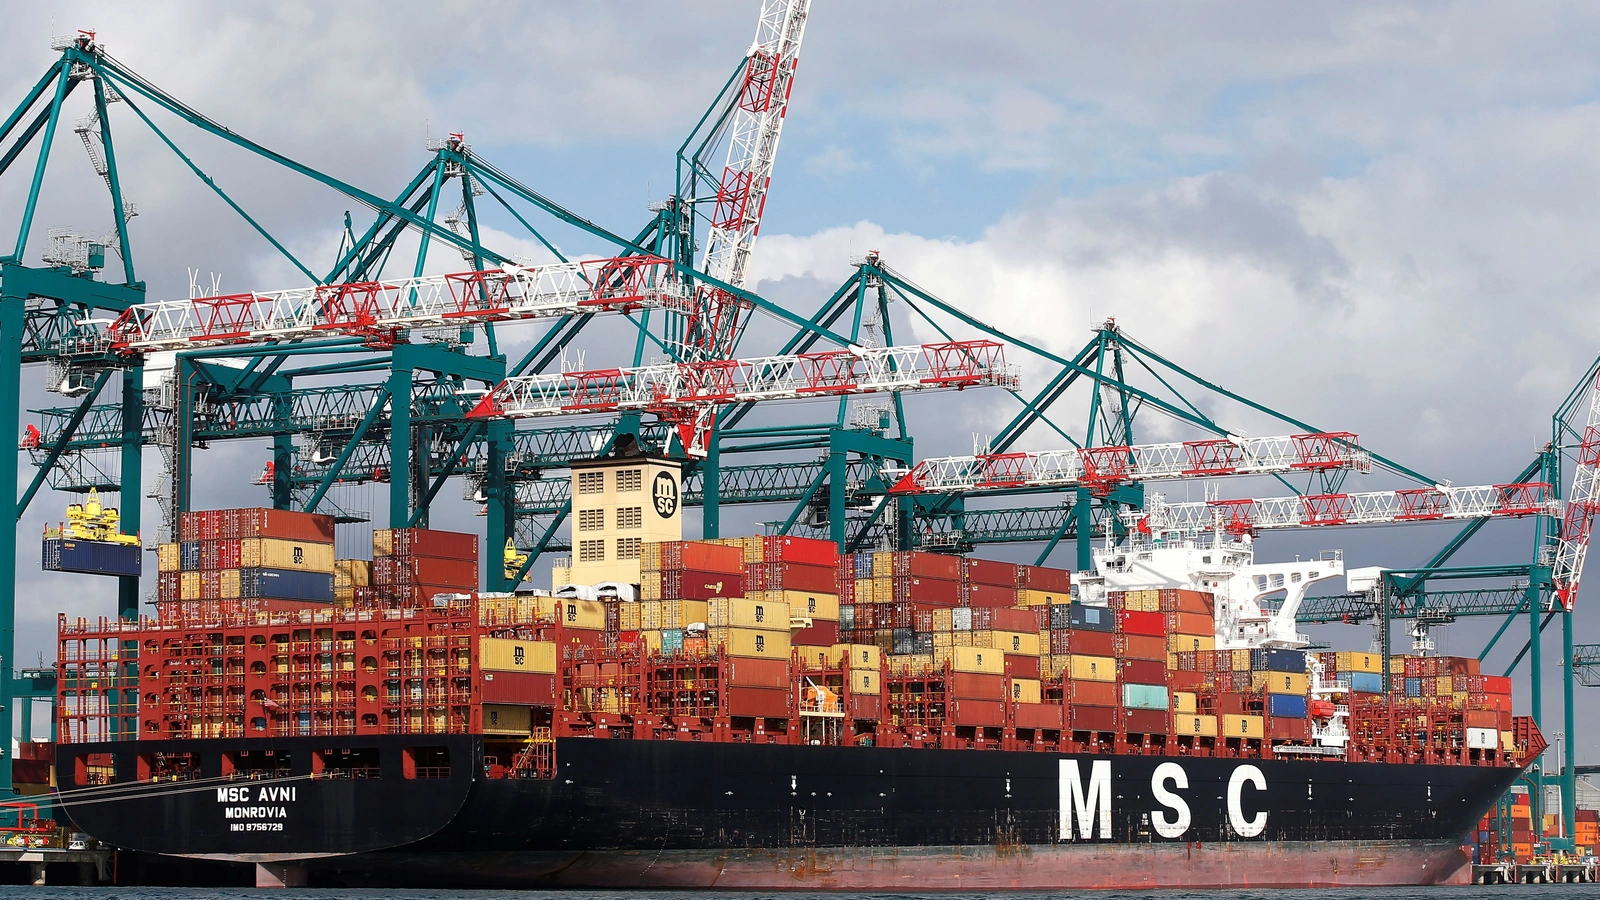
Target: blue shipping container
1144 696
285 584
847 616
1060 617
92 558
1092 618
1413 687
863 565
1286 661
1288 706
189 556
1366 682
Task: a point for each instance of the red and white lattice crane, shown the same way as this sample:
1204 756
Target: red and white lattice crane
1102 468
378 310
1572 546
756 125
1430 504
688 394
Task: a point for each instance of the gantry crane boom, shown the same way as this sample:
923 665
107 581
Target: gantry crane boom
1572 546
1364 508
688 393
1100 468
379 308
714 323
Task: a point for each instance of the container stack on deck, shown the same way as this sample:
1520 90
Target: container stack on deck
755 639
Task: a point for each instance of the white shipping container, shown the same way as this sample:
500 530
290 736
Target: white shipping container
1483 739
961 619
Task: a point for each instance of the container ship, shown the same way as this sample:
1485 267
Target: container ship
762 713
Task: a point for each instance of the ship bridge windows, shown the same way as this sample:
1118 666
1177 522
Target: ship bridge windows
345 762
426 762
257 764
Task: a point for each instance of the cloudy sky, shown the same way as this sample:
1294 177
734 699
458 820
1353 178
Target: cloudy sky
1376 217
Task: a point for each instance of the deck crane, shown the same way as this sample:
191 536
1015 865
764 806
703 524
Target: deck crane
1572 545
1100 468
716 319
688 394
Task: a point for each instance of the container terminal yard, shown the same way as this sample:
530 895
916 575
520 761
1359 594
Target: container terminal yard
861 696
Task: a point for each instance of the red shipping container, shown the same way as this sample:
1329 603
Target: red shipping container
976 686
1191 623
762 673
228 554
1185 681
1095 693
866 706
988 571
1458 665
1092 643
798 577
288 524
1012 620
805 551
980 713
1145 623
1045 716
1481 718
428 542
688 585
1093 718
1145 721
989 596
1044 578
210 585
1230 703
1288 729
820 634
425 570
1138 646
518 687
768 703
411 596
1488 684
927 590
1144 671
927 565
1021 665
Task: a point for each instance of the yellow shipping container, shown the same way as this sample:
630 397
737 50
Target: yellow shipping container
1026 643
1280 682
863 681
942 621
683 613
499 718
652 640
228 585
740 612
1183 702
962 638
1093 668
1200 726
882 564
815 657
1182 643
1352 661
506 655
1443 685
189 586
629 616
1242 726
751 643
650 615
1025 690
584 615
1042 598
978 660
1055 666
857 656
821 607
352 572
1507 740
167 558
274 553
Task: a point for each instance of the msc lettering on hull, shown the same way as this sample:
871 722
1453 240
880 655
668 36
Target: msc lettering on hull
264 812
1085 807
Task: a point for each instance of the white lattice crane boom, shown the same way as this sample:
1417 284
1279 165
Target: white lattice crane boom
1101 468
687 394
1572 546
1365 508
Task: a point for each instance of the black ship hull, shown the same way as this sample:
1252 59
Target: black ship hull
625 813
